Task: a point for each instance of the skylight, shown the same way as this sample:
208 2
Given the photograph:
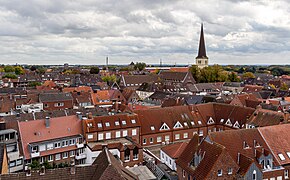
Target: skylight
199 122
107 124
185 124
152 128
123 122
281 156
288 154
133 121
222 120
99 125
117 123
192 123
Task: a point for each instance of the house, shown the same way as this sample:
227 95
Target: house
101 128
105 166
252 88
205 160
82 99
125 149
206 88
130 95
7 105
245 100
55 101
170 153
135 81
55 140
176 81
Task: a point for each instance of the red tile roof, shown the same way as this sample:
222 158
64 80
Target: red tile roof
60 127
174 150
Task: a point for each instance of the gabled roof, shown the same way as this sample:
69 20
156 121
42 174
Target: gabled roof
36 131
174 150
55 97
171 75
110 168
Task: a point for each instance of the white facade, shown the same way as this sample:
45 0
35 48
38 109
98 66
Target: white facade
170 162
92 155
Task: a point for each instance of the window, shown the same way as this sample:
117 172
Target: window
134 132
286 174
58 104
64 155
185 135
90 124
183 173
65 143
152 128
100 136
72 153
107 124
108 135
135 153
49 158
254 175
34 148
246 146
199 122
144 141
72 142
164 127
124 123
49 146
200 132
220 172
118 134
177 136
57 157
230 171
127 154
159 139
117 123
177 125
288 154
151 140
167 138
281 156
19 161
133 121
170 162
99 125
90 136
57 145
125 133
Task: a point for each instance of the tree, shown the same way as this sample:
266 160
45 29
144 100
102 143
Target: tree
19 70
9 69
32 68
247 75
10 76
139 66
35 165
94 70
195 71
284 87
109 79
233 77
34 84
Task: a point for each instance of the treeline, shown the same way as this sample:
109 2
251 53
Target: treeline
214 73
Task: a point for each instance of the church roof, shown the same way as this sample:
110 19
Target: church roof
201 48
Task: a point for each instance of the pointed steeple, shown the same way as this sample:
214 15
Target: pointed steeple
201 48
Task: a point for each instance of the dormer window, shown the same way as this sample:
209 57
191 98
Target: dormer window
133 121
229 123
117 123
185 124
99 125
210 121
288 154
123 122
177 125
164 127
246 146
192 123
281 156
199 122
236 125
90 124
220 172
107 124
256 144
152 128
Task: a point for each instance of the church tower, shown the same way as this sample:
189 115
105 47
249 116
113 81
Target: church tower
201 59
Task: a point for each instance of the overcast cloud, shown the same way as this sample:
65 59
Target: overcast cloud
59 31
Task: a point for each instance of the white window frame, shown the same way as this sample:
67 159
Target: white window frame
108 135
118 134
134 132
177 136
185 135
125 133
56 156
100 136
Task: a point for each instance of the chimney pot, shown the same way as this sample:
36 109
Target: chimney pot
47 122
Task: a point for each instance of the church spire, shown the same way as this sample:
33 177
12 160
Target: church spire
201 48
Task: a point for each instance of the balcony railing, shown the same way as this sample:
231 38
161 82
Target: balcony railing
35 154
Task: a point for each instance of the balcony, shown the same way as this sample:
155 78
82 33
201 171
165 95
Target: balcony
80 145
81 156
35 154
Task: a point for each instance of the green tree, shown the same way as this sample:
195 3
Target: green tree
109 79
195 71
10 76
34 84
47 165
9 69
139 66
35 165
284 87
94 70
247 75
19 70
233 77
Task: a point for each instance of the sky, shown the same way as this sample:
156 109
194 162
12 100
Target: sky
86 32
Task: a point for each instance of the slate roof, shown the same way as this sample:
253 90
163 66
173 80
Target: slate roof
171 75
55 97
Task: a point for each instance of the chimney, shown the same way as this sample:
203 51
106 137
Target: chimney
72 168
239 158
286 117
47 122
